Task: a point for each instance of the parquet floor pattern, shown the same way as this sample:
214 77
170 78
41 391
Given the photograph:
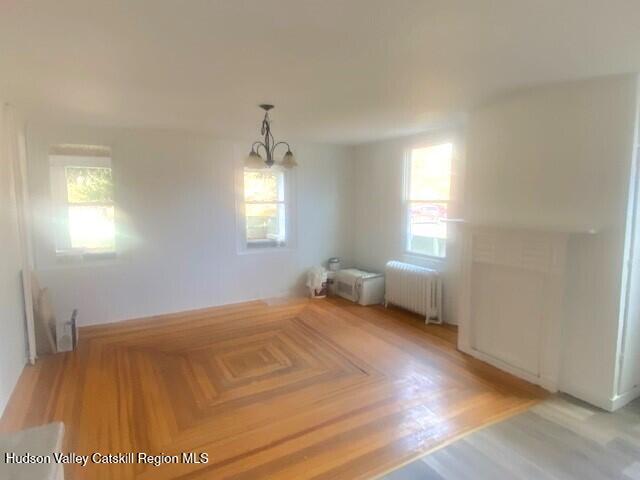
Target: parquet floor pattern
302 389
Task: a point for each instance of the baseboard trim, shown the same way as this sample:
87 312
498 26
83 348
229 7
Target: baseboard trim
270 300
547 383
602 402
620 401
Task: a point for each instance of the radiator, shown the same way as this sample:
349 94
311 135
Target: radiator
415 288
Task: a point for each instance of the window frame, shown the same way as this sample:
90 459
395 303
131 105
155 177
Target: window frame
407 201
58 163
244 246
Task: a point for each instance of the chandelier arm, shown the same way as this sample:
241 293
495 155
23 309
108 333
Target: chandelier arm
281 143
259 144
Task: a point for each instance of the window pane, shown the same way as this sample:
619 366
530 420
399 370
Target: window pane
427 233
92 228
431 172
89 184
265 222
263 186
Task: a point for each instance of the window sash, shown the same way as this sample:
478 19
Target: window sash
109 197
430 179
100 238
62 205
280 181
281 202
410 203
437 246
280 218
64 242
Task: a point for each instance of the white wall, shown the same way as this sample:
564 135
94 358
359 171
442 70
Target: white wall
378 208
12 334
176 222
558 158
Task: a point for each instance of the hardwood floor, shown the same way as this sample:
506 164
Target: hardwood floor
303 389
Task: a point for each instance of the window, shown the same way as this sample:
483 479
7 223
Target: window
82 193
265 209
429 182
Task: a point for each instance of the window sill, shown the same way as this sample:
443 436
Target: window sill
423 256
268 243
263 247
258 251
72 259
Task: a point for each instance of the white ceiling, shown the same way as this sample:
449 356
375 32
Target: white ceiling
341 71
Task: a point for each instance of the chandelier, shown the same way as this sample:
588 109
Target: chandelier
268 146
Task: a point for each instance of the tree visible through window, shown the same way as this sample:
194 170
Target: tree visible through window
264 207
82 191
429 174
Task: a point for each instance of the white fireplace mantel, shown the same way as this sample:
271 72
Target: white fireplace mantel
511 299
